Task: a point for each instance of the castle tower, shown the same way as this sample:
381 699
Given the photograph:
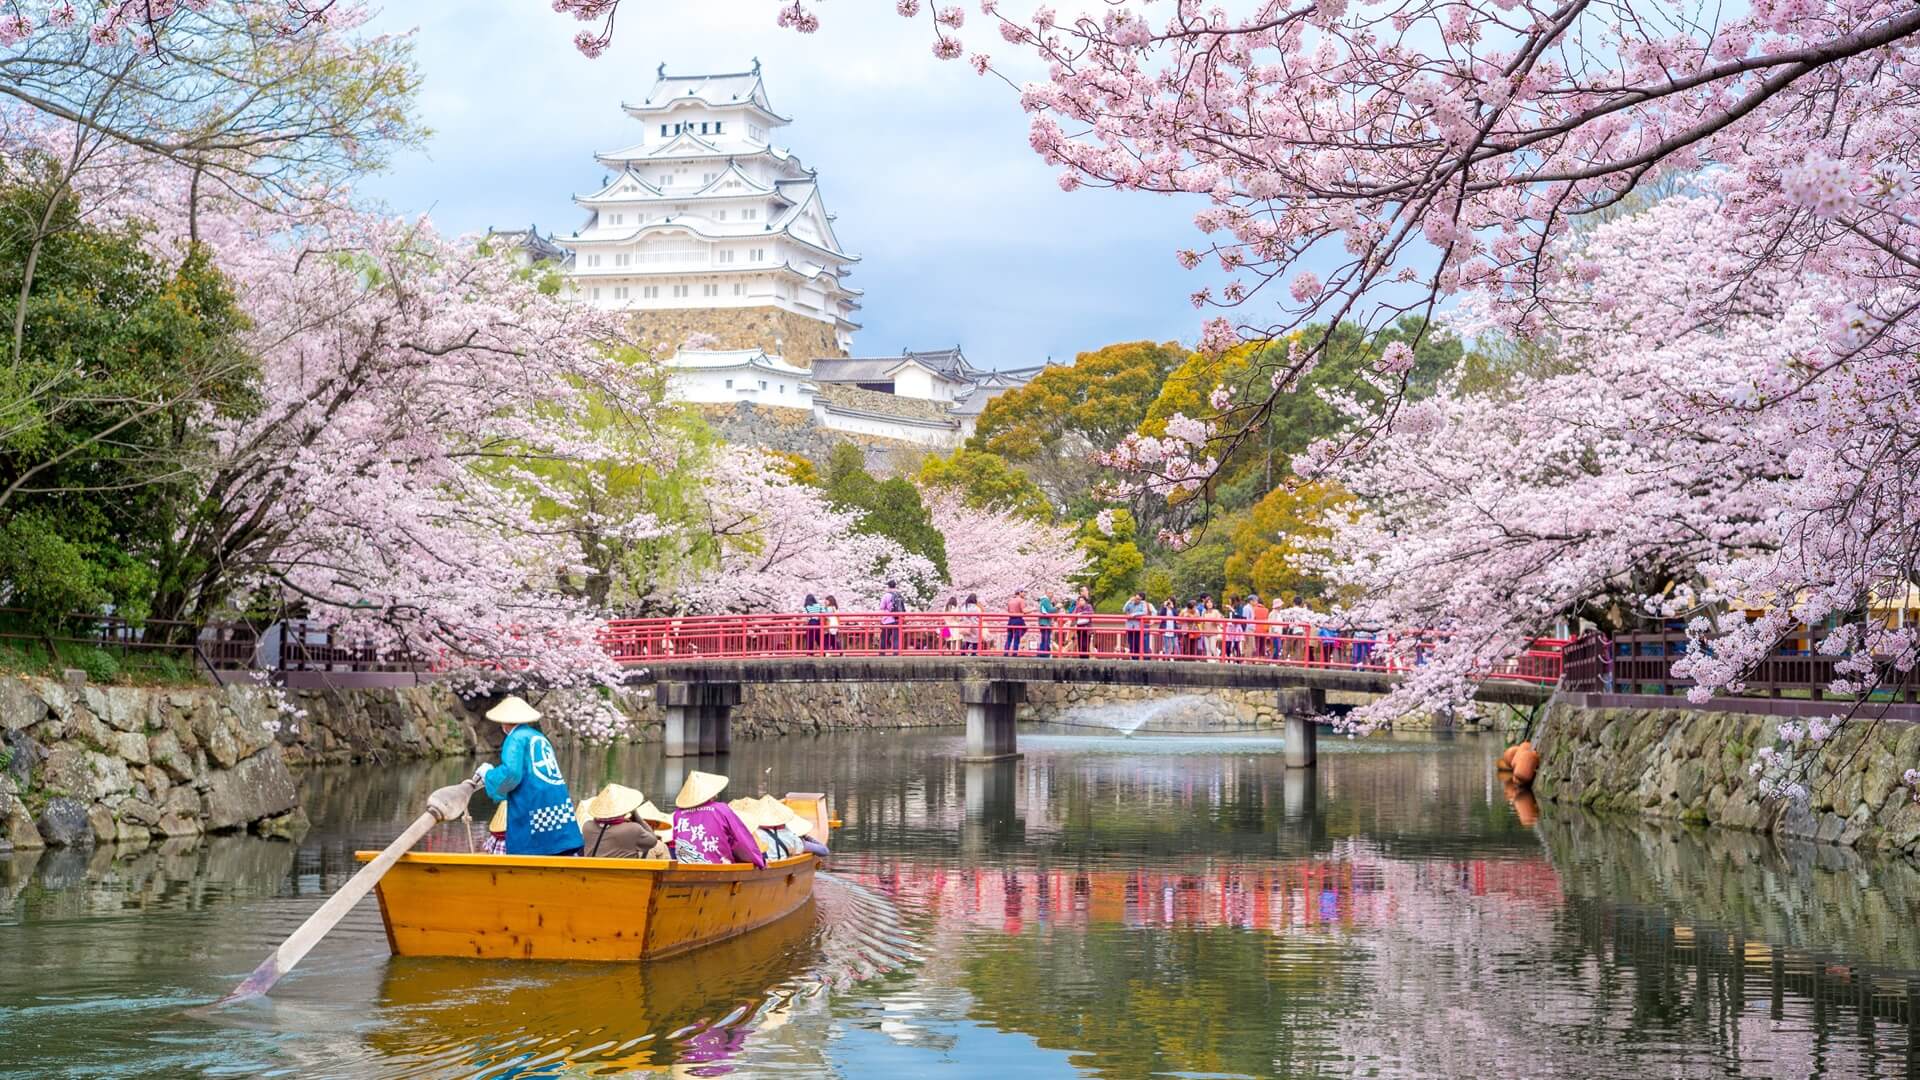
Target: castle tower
704 226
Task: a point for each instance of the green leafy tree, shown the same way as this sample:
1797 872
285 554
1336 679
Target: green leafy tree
1260 461
985 481
1114 561
891 508
121 355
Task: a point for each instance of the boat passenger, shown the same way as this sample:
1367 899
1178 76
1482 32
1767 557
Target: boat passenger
798 826
496 841
708 831
756 818
539 811
611 827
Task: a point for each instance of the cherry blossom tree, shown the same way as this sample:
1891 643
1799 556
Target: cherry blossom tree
773 539
993 552
379 477
1715 436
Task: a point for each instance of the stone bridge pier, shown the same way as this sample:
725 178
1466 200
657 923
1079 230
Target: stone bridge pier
1300 706
698 717
990 705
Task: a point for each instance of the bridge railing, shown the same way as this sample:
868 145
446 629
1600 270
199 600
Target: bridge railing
1101 637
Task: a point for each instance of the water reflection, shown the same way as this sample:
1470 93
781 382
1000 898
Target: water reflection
1106 906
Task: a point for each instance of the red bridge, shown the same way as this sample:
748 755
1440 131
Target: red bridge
699 663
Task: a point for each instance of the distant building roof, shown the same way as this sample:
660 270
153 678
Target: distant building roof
529 240
714 359
843 398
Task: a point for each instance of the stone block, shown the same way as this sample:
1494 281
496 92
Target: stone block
165 752
17 830
129 746
256 787
20 706
85 774
63 823
23 754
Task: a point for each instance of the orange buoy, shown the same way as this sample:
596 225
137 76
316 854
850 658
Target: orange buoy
1526 761
1506 759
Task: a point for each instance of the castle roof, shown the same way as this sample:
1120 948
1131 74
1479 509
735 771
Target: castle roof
717 89
729 359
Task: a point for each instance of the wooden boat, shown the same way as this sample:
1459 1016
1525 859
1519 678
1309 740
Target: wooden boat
543 907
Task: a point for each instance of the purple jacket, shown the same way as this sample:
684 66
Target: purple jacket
713 833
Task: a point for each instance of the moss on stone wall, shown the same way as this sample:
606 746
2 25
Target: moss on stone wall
1691 766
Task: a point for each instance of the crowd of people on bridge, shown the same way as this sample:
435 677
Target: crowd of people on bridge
1065 624
536 814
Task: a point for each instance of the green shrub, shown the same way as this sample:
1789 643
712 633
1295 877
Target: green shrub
100 665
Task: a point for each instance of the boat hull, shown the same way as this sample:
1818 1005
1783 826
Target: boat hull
519 907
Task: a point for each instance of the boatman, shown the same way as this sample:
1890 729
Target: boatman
540 817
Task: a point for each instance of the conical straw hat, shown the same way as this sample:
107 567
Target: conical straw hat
800 824
651 813
499 822
514 710
614 801
754 814
700 787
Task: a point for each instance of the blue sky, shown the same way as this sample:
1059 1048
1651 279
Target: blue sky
963 234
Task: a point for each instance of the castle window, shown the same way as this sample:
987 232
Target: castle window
759 254
651 292
739 288
750 214
720 215
719 126
763 384
680 291
726 256
729 384
663 131
596 294
710 290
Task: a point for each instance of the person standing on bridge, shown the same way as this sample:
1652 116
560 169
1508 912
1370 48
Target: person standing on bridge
539 811
1083 623
891 605
1136 609
1016 622
831 616
973 627
1047 608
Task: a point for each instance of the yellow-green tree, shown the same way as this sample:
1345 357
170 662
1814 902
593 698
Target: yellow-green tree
985 481
1273 543
1049 426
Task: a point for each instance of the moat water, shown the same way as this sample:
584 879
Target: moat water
1106 906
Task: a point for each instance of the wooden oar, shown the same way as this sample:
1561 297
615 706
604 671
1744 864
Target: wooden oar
443 805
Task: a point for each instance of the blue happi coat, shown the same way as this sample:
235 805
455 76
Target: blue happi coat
539 811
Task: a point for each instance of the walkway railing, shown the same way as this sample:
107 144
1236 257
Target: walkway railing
1642 663
1156 639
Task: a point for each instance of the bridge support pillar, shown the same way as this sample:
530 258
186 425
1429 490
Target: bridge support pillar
698 717
1300 706
990 708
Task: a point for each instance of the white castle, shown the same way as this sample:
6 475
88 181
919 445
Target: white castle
705 227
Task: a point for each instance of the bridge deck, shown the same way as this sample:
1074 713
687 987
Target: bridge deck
953 668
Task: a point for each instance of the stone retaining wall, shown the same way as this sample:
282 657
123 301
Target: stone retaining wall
1155 709
84 764
1691 766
